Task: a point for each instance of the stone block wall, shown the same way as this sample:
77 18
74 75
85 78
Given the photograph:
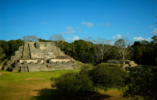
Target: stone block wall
52 66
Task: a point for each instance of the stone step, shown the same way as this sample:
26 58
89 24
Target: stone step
18 53
20 48
9 62
5 67
16 69
15 57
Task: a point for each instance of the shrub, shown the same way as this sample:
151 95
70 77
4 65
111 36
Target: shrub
89 79
74 83
142 82
105 77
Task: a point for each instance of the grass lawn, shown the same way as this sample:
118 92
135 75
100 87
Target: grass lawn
37 86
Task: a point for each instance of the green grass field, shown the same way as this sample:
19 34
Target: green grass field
37 86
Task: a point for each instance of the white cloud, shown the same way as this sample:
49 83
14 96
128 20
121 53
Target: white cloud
155 31
44 35
149 39
73 39
107 24
138 38
79 28
117 37
44 22
88 24
69 30
150 26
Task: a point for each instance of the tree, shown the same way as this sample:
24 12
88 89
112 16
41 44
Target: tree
2 55
4 45
42 40
90 41
30 38
154 43
71 50
102 48
122 48
13 46
84 53
154 38
58 39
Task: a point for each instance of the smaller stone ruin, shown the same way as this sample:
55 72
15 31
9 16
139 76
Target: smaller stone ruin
39 56
123 63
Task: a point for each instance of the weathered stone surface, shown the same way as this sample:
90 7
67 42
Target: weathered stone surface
5 67
20 48
28 60
9 62
40 56
15 57
19 53
133 65
59 60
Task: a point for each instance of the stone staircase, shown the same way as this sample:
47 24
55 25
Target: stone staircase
39 56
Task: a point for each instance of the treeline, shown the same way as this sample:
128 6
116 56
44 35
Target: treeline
142 52
7 48
93 51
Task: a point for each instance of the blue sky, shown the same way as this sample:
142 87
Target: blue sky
78 19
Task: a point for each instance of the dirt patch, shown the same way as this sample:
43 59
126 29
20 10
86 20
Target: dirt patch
35 78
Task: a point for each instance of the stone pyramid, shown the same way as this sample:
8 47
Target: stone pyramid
40 56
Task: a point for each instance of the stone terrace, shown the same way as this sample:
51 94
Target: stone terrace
40 56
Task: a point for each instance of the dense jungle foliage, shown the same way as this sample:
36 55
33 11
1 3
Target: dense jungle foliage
142 52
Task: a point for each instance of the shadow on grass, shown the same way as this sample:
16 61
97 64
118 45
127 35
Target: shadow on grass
53 94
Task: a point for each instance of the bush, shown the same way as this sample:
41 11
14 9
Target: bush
105 77
142 82
88 80
74 83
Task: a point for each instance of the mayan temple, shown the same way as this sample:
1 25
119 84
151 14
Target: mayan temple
39 56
